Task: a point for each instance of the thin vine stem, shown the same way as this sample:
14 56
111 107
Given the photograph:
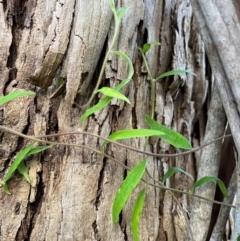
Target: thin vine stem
116 32
152 83
38 139
184 192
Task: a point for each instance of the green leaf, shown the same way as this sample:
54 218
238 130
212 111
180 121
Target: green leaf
22 169
132 133
112 4
5 189
170 136
100 105
175 72
121 12
207 179
137 210
173 170
21 155
113 93
147 46
130 182
104 102
14 95
37 149
128 60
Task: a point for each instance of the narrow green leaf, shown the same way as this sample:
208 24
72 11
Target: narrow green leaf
222 188
204 180
38 149
21 155
5 188
175 72
173 170
128 60
132 133
207 179
170 136
147 46
112 4
130 182
113 93
104 102
121 12
22 169
238 238
100 105
14 95
137 210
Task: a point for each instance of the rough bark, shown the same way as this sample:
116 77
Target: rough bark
211 17
208 166
72 189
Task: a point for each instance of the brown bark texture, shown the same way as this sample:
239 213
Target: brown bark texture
72 189
223 50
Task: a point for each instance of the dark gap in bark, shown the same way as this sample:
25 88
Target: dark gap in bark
125 233
123 226
204 113
121 221
134 117
191 40
97 202
6 165
22 233
26 128
196 129
184 38
162 17
226 168
53 126
167 82
142 36
81 100
1 120
208 74
12 58
125 171
53 119
17 11
195 169
95 229
105 82
28 222
35 206
4 2
208 71
100 185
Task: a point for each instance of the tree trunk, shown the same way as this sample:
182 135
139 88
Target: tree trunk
72 189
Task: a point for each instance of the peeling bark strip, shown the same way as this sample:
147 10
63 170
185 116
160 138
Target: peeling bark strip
6 39
72 189
208 166
44 37
223 51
